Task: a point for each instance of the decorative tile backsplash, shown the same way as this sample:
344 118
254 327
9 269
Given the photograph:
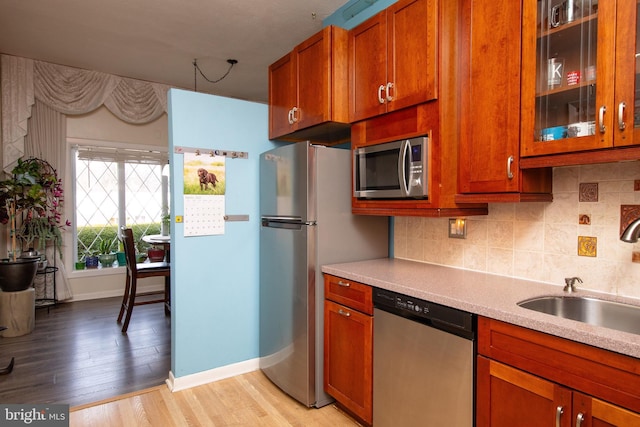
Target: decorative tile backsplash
539 241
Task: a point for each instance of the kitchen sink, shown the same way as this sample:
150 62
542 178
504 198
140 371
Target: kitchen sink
609 314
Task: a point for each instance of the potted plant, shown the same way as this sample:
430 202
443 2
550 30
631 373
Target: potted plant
91 260
120 256
31 204
155 254
107 257
165 224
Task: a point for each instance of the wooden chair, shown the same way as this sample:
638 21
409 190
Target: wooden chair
137 271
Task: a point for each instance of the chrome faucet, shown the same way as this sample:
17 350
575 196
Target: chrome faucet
630 235
570 283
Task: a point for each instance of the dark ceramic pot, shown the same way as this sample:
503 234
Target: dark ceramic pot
17 275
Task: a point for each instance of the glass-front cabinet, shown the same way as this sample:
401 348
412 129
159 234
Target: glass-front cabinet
585 94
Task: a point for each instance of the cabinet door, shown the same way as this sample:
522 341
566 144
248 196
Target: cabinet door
368 68
412 53
348 358
282 95
592 412
490 137
626 125
314 80
570 99
508 397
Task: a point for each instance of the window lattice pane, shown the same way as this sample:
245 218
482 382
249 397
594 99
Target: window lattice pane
98 196
143 189
96 202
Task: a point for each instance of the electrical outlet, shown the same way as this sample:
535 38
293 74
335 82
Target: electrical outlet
457 228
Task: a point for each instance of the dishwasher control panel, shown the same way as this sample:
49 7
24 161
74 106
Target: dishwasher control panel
436 315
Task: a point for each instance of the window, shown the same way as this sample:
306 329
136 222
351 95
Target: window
114 187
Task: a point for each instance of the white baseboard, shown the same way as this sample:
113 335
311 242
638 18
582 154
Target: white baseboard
212 375
110 293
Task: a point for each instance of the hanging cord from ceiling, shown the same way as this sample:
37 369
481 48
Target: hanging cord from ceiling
231 63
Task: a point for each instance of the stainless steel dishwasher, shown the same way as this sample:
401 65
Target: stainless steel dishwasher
423 363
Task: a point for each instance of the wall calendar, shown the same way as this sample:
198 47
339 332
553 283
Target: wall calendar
204 194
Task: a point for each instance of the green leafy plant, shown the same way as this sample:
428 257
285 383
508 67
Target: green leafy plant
106 247
31 203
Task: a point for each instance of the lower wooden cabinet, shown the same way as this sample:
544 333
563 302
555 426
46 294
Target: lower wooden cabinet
561 390
348 349
510 397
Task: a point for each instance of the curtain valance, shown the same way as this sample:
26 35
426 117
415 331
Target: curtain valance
69 91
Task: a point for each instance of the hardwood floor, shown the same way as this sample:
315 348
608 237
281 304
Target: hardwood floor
77 354
245 400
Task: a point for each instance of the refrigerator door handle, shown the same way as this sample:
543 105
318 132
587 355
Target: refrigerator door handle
284 221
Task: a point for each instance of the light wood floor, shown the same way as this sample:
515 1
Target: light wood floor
245 400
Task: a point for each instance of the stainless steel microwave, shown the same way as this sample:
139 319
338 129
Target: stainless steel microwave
392 170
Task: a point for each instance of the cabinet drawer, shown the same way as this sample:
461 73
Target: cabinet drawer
601 373
347 292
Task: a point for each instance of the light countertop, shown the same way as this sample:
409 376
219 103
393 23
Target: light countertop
486 295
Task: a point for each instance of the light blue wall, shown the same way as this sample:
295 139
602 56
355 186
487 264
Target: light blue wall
339 20
214 279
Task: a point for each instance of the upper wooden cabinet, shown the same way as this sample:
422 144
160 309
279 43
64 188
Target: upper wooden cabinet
308 90
439 120
393 59
492 69
582 103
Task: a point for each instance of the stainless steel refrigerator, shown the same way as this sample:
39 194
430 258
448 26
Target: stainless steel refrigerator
306 222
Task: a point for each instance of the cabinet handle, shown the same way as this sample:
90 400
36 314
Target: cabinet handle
294 116
621 123
509 163
579 419
388 90
380 98
603 110
290 117
345 284
559 412
344 313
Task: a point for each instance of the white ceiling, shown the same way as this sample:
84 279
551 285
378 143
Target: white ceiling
158 40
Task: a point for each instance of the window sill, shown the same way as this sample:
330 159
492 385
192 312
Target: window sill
97 272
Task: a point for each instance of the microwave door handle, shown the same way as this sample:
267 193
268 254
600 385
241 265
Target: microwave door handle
402 167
